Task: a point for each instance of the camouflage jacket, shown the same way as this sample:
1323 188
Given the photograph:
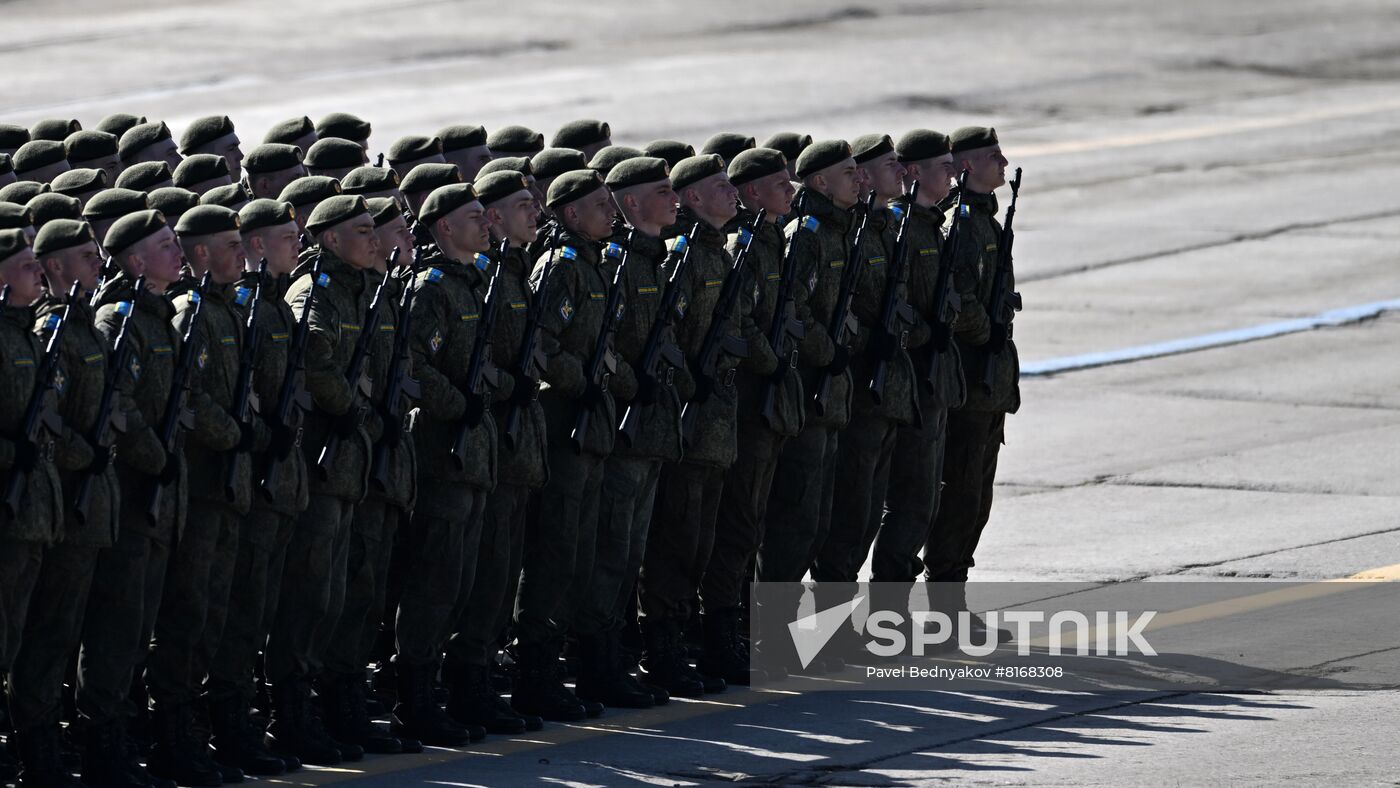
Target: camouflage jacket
821 258
900 403
402 458
39 516
925 255
974 274
155 348
526 466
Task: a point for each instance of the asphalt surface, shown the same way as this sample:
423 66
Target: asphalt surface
1191 167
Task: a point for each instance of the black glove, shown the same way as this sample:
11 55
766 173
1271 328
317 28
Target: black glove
284 439
26 455
247 438
347 423
101 459
840 359
171 472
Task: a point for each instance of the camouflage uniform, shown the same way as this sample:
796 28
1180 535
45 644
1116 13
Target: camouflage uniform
974 430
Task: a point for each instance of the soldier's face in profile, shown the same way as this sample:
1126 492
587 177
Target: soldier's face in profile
842 183
885 176
161 257
393 235
657 204
24 276
81 263
224 256
771 193
935 177
518 217
471 228
354 241
716 197
987 169
280 246
593 214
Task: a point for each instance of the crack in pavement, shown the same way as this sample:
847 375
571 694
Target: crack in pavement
1238 487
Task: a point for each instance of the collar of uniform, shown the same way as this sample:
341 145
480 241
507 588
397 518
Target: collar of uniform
22 317
982 203
50 302
920 211
707 235
826 212
588 251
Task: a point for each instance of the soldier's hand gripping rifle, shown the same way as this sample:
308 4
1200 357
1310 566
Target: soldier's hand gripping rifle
945 297
785 331
245 402
481 373
400 388
717 340
293 401
843 325
896 314
107 415
603 363
177 415
658 349
1005 302
530 360
39 413
355 374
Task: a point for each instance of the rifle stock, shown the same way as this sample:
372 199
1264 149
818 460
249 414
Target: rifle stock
530 360
292 399
603 362
244 400
843 323
99 436
399 387
479 366
174 417
894 310
658 349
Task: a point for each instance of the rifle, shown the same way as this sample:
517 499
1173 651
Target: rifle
1005 301
38 415
109 268
894 309
785 326
292 399
479 366
717 340
176 417
603 363
355 370
244 400
98 436
530 361
944 294
843 324
380 161
399 387
657 349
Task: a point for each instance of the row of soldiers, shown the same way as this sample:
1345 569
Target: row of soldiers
261 411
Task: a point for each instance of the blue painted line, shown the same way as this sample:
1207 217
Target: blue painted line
1333 317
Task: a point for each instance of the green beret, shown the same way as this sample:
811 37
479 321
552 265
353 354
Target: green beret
334 210
5 164
670 150
259 214
114 204
206 220
461 137
289 131
38 153
499 185
343 125
870 146
579 134
60 234
203 131
172 201
21 192
272 157
604 160
334 153
368 179
56 129
553 162
81 146
518 164
146 176
515 141
637 171
427 177
75 182
12 136
140 137
12 242
692 170
14 216
573 185
131 229
231 196
820 155
727 144
49 206
312 188
199 168
922 144
117 123
972 138
445 200
755 163
790 143
384 210
413 148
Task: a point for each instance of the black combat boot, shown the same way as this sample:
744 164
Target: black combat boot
346 717
106 763
664 660
294 731
538 690
602 677
473 701
229 721
178 754
417 714
725 654
41 764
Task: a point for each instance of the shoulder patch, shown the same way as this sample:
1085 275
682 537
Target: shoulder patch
566 309
241 296
966 211
432 275
897 210
203 357
810 224
613 251
568 253
123 307
677 244
60 380
134 368
481 261
435 342
323 280
745 235
681 305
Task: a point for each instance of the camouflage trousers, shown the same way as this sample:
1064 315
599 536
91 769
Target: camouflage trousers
742 509
440 544
969 470
313 589
799 506
488 608
20 563
371 542
862 470
911 499
194 606
560 533
262 552
625 506
127 586
51 633
682 535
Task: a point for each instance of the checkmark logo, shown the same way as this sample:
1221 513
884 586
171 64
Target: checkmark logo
811 633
